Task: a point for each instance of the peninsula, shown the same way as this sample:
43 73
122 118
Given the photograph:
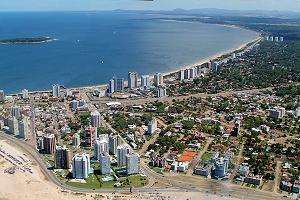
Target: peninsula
29 40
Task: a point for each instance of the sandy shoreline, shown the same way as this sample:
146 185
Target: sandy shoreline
175 70
35 186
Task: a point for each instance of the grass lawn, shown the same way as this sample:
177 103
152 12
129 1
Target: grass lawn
207 156
95 182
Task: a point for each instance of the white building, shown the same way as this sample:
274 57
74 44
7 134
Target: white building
24 128
100 146
161 92
95 119
111 86
25 94
122 151
81 166
152 126
132 163
13 126
119 84
277 112
56 90
76 140
132 80
158 79
181 75
113 144
104 160
16 112
145 81
74 105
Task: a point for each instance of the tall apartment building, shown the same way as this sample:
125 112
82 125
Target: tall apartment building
122 151
158 79
49 143
62 158
81 166
101 146
132 163
132 80
104 160
95 119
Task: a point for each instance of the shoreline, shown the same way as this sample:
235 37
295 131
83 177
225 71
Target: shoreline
202 61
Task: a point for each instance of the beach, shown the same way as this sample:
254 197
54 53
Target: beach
35 186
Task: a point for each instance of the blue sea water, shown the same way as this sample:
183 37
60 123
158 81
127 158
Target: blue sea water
93 47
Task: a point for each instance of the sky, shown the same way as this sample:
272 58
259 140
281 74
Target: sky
85 5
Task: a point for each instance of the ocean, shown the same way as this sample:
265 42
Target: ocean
92 47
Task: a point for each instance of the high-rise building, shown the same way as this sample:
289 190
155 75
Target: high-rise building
76 140
2 96
56 90
145 81
101 146
220 167
122 151
81 166
277 112
158 79
104 160
25 94
193 73
24 127
103 137
132 80
132 163
13 126
181 75
90 135
186 74
276 39
74 105
111 86
49 142
281 39
119 84
62 158
95 119
16 112
161 92
271 38
152 126
113 144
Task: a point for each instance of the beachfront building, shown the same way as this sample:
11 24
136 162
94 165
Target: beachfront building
104 160
158 79
145 81
119 84
113 144
101 146
220 167
132 80
13 127
81 166
56 90
181 75
95 119
25 94
132 163
122 151
111 86
49 143
24 128
62 158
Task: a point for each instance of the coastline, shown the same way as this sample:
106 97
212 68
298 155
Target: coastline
214 57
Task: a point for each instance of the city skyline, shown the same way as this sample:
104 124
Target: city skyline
76 5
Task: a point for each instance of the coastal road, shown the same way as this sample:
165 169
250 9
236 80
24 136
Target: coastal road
178 183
